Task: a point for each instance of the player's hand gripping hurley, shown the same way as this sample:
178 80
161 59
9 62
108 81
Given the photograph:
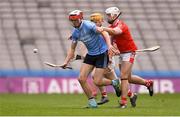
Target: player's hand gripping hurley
77 57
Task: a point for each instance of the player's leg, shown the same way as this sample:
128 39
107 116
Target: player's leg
102 89
104 97
134 79
84 72
132 96
94 87
125 71
98 78
138 80
109 74
102 63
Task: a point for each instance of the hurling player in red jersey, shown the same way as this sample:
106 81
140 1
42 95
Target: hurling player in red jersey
122 38
109 73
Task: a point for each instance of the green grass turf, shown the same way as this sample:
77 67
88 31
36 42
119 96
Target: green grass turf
72 104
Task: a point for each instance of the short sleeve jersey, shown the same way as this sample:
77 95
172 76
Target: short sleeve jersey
93 40
124 41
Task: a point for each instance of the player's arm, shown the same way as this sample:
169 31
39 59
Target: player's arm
107 38
70 53
112 31
111 49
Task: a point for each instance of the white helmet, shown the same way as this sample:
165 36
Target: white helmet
112 10
76 14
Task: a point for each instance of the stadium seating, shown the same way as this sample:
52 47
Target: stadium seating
43 24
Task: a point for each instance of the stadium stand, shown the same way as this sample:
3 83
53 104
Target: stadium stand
43 24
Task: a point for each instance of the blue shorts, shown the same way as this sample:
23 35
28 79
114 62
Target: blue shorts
99 61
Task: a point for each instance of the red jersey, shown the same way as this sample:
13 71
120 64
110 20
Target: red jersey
124 41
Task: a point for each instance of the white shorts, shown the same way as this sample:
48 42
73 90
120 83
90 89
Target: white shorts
129 57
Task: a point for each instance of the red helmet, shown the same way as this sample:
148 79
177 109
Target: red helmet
75 15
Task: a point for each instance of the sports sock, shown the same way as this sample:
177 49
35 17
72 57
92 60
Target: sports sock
104 94
148 83
94 93
123 100
130 94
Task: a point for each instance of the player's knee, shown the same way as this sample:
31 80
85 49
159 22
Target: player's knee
97 82
82 79
124 76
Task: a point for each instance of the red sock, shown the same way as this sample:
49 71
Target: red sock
94 93
104 94
123 100
148 83
129 93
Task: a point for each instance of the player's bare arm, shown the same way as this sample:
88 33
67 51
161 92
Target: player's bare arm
107 39
106 36
70 54
112 50
112 31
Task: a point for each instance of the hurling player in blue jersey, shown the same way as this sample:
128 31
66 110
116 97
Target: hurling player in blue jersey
98 45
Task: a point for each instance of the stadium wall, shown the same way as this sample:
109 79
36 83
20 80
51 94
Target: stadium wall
65 81
34 85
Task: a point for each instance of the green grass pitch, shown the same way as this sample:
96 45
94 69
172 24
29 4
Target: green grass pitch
72 105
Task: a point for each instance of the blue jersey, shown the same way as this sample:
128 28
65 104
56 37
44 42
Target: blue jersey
93 40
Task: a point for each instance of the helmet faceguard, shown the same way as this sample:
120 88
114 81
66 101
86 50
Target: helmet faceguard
112 14
76 17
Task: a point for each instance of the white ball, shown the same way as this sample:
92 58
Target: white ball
35 50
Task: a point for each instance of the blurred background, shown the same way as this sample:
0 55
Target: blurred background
43 24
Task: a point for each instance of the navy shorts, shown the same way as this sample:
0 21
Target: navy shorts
99 61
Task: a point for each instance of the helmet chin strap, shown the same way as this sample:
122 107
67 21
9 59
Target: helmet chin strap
112 21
